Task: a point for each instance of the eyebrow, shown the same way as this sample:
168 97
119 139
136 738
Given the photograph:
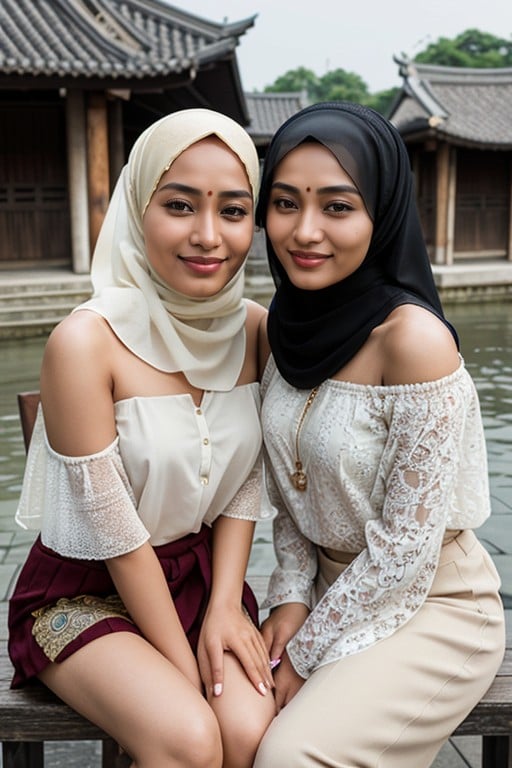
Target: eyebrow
198 192
335 189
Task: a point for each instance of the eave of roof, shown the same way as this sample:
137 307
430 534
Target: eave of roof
267 111
122 39
470 107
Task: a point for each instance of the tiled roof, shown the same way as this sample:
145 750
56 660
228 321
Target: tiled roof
465 106
108 38
267 111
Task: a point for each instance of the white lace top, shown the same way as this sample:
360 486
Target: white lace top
172 467
389 469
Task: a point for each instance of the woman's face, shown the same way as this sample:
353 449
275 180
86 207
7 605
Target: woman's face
316 218
198 225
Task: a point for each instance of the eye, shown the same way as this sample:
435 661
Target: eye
337 207
234 211
178 206
284 204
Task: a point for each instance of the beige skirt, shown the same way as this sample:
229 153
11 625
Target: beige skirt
394 704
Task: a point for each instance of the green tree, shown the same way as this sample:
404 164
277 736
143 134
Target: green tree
300 79
382 100
335 85
471 48
338 84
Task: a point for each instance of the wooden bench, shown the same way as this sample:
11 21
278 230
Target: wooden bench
33 715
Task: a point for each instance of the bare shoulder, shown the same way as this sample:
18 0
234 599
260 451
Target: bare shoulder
76 384
416 346
255 314
257 332
76 347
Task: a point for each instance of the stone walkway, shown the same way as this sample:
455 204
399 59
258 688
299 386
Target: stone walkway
496 535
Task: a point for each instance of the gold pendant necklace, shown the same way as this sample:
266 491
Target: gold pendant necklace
298 478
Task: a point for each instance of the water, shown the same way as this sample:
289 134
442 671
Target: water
486 344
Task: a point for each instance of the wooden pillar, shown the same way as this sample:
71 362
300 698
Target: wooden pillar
97 162
77 180
442 195
509 245
116 139
452 197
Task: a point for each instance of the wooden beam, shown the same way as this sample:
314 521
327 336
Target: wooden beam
509 245
77 179
97 162
116 138
452 196
442 196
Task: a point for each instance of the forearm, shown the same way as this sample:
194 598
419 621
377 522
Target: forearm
232 540
141 584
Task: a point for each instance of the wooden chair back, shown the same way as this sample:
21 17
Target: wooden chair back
27 407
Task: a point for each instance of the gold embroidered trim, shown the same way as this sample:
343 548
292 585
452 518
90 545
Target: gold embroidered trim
58 625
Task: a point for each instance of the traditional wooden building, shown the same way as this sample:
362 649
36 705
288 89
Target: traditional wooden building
79 80
267 111
457 125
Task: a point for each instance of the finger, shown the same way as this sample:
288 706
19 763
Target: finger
216 670
256 665
204 668
265 659
267 635
211 665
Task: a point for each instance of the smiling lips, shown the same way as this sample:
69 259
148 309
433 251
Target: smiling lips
308 259
205 265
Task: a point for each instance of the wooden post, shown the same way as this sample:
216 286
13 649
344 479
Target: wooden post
116 138
452 196
509 244
97 163
77 175
442 196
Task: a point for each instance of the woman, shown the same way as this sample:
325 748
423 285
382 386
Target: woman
144 466
384 606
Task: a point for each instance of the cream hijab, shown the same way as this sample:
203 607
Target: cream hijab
204 338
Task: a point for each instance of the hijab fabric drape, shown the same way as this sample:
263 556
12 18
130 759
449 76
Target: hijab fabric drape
204 338
313 334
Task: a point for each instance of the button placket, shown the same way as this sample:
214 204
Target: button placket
206 449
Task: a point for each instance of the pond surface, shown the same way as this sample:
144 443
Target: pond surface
486 344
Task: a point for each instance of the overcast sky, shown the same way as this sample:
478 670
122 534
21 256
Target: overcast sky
360 36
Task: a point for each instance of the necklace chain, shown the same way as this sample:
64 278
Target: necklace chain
298 478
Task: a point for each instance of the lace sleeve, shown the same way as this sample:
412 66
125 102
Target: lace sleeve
84 505
390 579
293 577
246 503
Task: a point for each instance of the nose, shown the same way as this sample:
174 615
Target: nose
206 232
308 228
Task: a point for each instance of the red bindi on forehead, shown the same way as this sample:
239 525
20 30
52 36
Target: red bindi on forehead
308 189
209 193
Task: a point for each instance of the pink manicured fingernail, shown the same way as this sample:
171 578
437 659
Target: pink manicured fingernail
274 663
217 689
262 689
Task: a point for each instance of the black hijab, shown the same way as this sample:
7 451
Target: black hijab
313 334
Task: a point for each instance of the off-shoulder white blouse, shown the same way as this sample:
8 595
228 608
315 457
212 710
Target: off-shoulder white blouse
389 469
172 467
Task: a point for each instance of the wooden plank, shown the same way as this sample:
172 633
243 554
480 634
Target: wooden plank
97 162
34 713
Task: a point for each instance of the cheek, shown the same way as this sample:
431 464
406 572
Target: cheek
242 241
275 228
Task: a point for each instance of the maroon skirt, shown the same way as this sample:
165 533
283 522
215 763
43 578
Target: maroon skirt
47 578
